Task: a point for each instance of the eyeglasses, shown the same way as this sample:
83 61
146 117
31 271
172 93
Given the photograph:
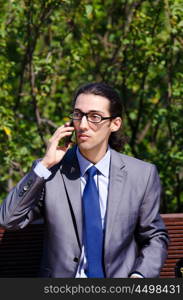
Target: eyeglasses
92 117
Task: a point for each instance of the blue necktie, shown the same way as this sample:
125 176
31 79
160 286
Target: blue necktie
93 227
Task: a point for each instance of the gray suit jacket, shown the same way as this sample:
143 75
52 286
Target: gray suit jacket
135 235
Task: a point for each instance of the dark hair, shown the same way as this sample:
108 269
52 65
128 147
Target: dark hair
116 139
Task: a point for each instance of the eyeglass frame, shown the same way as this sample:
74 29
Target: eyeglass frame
86 115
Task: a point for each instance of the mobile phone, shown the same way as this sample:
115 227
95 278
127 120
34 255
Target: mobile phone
68 139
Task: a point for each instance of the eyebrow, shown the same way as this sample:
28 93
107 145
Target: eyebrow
93 110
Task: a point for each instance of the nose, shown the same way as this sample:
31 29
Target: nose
83 123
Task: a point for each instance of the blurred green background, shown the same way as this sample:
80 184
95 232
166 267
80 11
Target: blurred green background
48 48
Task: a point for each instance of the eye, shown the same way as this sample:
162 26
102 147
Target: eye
77 114
94 117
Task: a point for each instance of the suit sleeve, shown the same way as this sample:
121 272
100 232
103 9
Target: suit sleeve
24 202
151 233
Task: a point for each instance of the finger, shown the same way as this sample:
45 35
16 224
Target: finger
60 136
64 129
63 134
61 131
61 128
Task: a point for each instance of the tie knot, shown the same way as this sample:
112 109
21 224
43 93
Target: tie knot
91 171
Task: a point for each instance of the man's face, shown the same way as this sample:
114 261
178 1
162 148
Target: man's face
92 136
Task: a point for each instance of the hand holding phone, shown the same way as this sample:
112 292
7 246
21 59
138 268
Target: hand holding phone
55 152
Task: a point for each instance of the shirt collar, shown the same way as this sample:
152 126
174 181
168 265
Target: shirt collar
102 165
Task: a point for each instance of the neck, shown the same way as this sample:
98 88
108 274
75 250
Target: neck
93 155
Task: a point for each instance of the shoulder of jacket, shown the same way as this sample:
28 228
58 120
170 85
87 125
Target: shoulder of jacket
132 162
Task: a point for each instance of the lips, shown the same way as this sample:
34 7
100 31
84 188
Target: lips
83 137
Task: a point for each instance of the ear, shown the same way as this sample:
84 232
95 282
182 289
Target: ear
116 124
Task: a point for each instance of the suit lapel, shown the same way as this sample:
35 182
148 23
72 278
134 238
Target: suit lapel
117 181
71 176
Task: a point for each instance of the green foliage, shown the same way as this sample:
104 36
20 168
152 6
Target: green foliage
49 47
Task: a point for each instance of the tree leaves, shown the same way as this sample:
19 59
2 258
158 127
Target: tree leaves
48 48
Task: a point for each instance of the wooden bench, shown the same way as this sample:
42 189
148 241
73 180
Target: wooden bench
20 251
174 224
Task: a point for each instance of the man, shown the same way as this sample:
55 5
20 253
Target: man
100 207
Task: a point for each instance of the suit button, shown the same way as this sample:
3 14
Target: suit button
21 193
26 187
76 259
